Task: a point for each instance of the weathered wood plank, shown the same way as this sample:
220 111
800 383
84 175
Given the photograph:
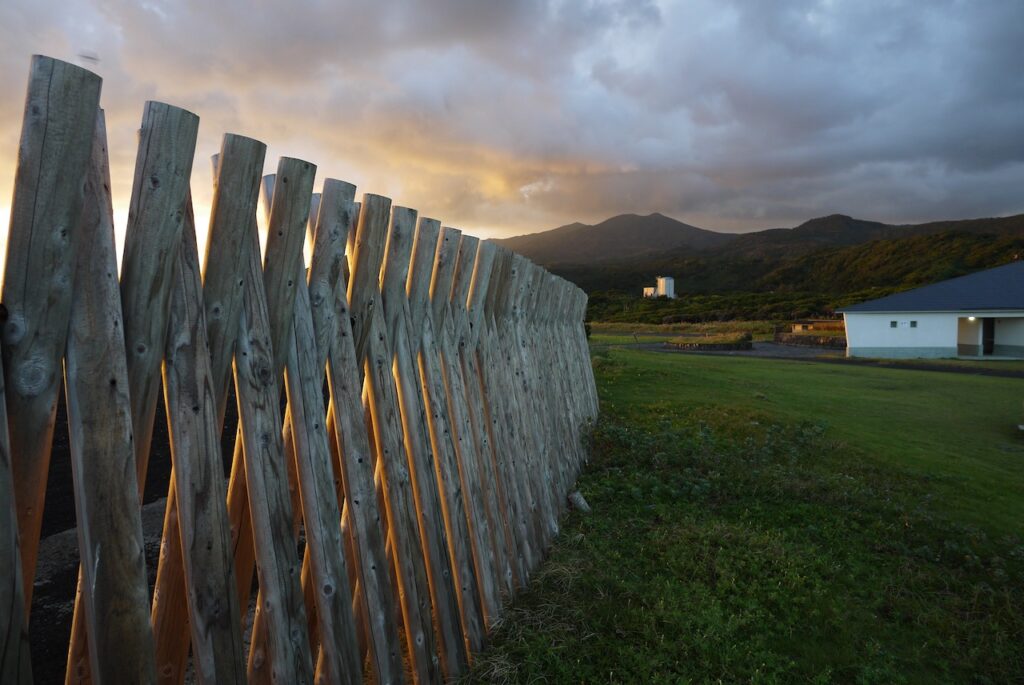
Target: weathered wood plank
536 422
339 659
115 595
433 532
441 435
156 214
333 326
466 445
236 179
15 660
494 495
498 430
53 160
267 312
278 567
237 172
339 655
374 352
501 378
201 518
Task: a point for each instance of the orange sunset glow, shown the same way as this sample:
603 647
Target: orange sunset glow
507 118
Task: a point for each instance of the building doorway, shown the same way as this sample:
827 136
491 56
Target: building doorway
988 336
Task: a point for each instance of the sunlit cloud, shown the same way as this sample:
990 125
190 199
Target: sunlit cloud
518 116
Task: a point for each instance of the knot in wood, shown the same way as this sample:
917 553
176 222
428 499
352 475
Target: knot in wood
14 327
33 375
261 369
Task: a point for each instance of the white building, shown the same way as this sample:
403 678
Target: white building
978 315
666 287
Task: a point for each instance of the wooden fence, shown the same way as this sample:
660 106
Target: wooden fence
437 387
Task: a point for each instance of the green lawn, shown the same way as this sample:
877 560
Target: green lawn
967 363
605 339
624 332
775 521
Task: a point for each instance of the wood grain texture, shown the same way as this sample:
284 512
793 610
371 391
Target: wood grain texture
267 312
278 565
238 169
236 177
500 382
333 325
156 214
373 349
427 491
539 451
441 434
493 494
339 660
15 659
465 467
497 430
115 595
289 214
200 507
437 549
53 160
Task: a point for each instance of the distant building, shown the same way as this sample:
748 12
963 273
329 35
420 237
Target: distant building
978 315
666 287
805 325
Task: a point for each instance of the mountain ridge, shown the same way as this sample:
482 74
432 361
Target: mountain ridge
625 237
619 237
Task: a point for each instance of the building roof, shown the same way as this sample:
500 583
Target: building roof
1000 289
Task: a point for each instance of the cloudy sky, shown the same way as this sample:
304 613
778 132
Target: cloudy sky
507 116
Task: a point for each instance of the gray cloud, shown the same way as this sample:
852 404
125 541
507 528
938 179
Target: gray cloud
510 116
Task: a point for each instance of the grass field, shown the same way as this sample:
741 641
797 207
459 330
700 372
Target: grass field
622 333
774 521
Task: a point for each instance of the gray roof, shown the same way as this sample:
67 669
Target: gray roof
1000 288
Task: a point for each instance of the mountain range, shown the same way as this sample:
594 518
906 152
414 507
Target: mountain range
833 254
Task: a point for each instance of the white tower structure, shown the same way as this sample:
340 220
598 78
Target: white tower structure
666 287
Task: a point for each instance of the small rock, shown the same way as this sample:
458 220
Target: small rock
578 502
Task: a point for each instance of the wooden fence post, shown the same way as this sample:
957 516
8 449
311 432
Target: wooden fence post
233 212
333 326
15 659
452 316
442 436
497 429
53 160
114 592
433 532
199 513
373 348
267 312
495 499
155 218
311 457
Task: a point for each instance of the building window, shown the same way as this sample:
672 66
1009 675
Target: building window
913 324
892 324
